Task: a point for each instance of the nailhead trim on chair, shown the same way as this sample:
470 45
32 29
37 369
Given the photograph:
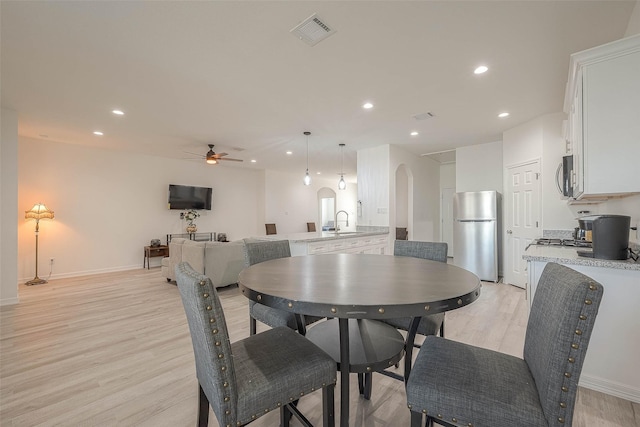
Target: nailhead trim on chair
567 375
223 368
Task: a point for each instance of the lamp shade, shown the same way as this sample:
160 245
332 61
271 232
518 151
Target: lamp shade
38 211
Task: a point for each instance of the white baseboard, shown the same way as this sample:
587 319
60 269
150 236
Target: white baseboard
9 301
86 273
623 391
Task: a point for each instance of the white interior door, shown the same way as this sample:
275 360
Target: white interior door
522 218
446 216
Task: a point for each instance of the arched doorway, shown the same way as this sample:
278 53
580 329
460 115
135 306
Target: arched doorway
326 208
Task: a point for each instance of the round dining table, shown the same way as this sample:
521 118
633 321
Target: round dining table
359 286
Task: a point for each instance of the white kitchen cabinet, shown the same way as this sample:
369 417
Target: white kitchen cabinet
603 104
355 245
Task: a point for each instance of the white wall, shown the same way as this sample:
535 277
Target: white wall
479 167
110 204
448 175
373 185
424 193
634 21
8 207
291 204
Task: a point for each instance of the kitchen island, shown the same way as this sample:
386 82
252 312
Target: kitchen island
330 242
611 363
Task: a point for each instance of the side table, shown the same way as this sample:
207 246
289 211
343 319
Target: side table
154 251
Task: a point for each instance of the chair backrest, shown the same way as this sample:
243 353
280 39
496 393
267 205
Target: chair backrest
271 229
311 226
260 251
562 316
401 233
210 340
435 251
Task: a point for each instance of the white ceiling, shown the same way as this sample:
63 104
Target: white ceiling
230 73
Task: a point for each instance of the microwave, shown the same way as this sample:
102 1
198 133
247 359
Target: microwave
564 175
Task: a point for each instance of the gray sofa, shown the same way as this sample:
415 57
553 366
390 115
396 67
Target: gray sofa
222 262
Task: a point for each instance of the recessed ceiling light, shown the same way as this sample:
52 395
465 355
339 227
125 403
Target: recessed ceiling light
118 112
97 132
253 160
414 133
367 105
318 173
481 69
503 115
289 152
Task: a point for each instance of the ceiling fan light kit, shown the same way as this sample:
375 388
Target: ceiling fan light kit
212 158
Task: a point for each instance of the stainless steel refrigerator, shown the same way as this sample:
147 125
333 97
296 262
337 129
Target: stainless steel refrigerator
476 233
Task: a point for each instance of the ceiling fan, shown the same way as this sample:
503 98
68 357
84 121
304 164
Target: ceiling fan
212 158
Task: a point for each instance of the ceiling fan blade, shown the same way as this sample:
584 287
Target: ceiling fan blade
194 154
221 154
233 160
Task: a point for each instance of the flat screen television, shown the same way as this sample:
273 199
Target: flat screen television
187 197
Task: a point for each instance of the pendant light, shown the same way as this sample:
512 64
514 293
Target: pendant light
342 185
307 178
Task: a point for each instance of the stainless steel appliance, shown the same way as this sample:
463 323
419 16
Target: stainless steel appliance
565 182
476 233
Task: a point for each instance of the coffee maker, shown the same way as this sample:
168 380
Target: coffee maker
610 237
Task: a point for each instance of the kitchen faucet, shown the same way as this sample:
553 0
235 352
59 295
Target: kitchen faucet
347 223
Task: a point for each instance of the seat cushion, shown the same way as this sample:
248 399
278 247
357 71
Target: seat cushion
276 367
274 317
429 325
474 386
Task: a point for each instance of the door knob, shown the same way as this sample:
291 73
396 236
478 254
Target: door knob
509 232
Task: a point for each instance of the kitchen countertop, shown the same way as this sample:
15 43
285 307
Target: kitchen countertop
569 255
321 236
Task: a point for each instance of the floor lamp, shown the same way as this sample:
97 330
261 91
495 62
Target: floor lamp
38 212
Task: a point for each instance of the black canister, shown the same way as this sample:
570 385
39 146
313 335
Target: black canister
611 237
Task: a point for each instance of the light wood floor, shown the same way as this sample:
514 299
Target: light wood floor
114 350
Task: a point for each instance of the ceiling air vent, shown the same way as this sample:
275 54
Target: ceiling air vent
312 30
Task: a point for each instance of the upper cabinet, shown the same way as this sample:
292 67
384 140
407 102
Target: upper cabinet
603 127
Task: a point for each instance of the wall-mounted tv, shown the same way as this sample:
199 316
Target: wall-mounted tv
188 197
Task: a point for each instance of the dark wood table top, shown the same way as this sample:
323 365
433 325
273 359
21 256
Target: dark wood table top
359 285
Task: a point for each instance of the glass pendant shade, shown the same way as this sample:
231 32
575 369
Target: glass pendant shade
342 184
307 177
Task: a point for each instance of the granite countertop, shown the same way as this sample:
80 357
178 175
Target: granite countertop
569 255
321 236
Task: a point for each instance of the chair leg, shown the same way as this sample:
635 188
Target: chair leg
368 384
203 408
252 326
416 419
442 329
285 416
328 411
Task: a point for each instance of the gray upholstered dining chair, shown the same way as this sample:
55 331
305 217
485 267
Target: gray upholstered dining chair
260 251
270 228
434 251
429 325
246 379
458 384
